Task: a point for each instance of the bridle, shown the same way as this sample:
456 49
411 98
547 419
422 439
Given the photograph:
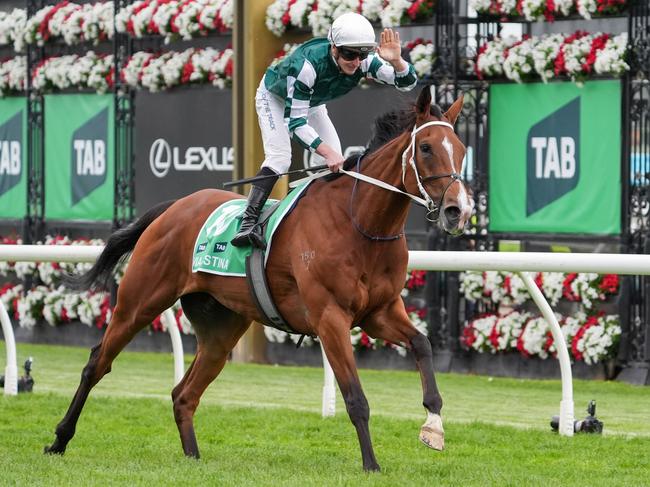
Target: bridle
432 207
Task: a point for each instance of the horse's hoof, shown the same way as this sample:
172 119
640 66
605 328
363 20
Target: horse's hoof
371 468
432 433
53 450
433 439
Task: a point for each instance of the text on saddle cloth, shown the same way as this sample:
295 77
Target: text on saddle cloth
213 252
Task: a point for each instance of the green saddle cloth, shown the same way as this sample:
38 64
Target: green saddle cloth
213 251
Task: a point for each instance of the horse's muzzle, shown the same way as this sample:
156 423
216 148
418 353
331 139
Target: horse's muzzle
453 219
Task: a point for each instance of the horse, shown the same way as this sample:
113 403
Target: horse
339 259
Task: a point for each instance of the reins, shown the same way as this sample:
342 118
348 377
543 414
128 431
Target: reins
427 202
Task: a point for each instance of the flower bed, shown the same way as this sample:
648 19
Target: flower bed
156 72
591 335
72 23
318 15
578 56
549 10
143 70
175 19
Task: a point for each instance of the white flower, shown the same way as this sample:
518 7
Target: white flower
586 8
544 54
422 57
393 12
13 75
535 336
611 59
519 63
274 14
471 285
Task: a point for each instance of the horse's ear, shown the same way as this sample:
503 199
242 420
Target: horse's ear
423 103
454 110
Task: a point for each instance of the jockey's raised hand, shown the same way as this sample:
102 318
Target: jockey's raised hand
390 49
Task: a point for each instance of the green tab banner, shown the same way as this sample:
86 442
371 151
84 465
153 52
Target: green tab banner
79 159
13 161
555 158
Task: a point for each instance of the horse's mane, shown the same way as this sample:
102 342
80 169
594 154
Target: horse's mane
386 127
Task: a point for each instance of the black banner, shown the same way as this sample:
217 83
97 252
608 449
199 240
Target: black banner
183 143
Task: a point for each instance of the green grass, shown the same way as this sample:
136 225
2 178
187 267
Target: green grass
261 425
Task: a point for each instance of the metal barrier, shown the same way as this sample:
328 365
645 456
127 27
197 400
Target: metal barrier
522 263
66 253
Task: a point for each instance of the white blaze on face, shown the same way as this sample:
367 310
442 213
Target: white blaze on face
462 199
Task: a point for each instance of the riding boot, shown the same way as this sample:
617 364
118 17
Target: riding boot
249 232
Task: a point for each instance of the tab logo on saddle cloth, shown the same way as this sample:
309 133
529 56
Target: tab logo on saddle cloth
553 157
213 252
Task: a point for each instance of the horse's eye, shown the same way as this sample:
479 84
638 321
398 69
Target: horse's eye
426 148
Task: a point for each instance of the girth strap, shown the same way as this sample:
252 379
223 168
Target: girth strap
258 285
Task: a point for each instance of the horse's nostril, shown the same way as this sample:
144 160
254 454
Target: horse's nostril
452 214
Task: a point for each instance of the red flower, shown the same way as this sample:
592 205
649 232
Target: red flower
416 279
495 335
520 341
188 69
609 283
566 287
468 337
365 340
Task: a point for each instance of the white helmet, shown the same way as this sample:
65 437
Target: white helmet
352 30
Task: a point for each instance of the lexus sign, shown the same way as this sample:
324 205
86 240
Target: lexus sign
184 143
162 157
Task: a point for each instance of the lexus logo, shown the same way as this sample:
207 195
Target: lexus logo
162 157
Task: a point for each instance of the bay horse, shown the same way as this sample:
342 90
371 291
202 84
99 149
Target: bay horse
338 260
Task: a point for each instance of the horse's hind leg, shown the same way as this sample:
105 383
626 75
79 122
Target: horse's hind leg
392 324
217 331
130 316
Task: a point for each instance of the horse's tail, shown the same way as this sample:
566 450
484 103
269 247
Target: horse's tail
117 249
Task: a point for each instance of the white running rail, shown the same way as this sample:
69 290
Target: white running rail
522 263
65 253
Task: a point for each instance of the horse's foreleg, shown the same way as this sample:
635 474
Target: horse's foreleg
215 341
392 324
335 337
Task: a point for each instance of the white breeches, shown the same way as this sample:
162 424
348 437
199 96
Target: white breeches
275 133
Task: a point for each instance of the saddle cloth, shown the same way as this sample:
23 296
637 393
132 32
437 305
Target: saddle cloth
213 252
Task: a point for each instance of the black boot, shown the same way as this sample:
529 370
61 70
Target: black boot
249 232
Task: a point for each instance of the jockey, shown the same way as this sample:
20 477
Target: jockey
290 101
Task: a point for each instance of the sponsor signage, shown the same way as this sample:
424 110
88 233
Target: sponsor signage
183 143
555 157
13 162
79 161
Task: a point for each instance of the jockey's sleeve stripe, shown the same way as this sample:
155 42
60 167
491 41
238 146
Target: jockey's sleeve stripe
384 73
296 108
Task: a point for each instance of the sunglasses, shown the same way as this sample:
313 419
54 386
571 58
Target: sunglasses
352 54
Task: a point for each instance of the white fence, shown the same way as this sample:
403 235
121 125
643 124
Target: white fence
522 263
421 260
66 253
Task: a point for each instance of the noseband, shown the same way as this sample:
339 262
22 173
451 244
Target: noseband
433 208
